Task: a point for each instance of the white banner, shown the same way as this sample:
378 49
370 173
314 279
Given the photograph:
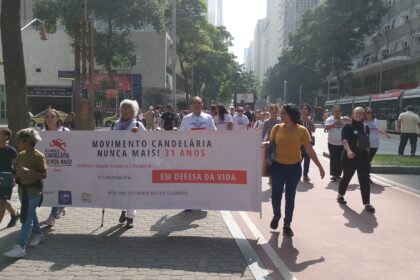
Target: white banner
153 170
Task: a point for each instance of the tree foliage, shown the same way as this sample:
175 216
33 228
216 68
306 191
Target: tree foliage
327 39
207 67
113 48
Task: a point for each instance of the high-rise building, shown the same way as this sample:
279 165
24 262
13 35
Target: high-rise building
391 57
215 12
283 17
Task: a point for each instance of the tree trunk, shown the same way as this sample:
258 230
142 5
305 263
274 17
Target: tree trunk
14 66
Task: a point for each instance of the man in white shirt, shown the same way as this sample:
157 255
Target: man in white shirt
197 120
334 125
408 123
240 121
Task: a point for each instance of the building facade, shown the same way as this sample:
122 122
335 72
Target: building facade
44 59
391 57
283 17
215 12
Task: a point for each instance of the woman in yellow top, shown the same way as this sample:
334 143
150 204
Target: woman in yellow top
286 169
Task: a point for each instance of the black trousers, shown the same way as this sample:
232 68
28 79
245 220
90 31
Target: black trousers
361 163
335 159
403 142
372 153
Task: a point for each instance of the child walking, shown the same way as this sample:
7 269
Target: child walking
7 156
31 168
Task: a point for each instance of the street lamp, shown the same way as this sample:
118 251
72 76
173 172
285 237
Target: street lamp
42 32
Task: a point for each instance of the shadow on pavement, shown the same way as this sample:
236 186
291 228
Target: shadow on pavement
364 221
189 253
289 254
304 186
179 222
334 186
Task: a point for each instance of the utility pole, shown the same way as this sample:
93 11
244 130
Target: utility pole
174 55
284 92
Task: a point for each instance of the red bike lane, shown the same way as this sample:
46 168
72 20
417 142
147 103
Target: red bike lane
333 241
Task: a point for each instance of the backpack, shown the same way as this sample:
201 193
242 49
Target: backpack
363 142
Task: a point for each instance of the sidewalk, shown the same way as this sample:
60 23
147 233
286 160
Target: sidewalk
162 245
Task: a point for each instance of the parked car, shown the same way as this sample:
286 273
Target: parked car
38 119
109 120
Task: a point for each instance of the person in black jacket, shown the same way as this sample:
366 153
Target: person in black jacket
356 157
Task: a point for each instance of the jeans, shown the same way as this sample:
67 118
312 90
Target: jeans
281 175
55 211
31 224
403 142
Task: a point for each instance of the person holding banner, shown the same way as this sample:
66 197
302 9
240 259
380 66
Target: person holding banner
128 121
286 169
197 120
52 123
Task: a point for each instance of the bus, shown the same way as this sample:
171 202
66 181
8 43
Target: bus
387 106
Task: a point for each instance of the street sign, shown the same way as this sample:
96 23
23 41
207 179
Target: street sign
111 93
65 75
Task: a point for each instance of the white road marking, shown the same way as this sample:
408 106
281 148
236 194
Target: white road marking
251 257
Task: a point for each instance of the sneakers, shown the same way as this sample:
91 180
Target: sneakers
123 218
16 252
13 220
274 222
369 208
334 178
341 200
306 178
36 239
50 221
287 231
129 223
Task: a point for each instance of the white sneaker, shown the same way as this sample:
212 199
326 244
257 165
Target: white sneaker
50 221
36 239
16 252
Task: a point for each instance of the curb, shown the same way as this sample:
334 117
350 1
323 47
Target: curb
389 169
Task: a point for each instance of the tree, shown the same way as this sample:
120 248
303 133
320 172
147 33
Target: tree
298 76
192 38
113 47
14 66
333 33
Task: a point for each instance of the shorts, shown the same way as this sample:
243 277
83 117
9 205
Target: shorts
6 193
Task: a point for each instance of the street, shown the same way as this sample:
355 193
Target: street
331 241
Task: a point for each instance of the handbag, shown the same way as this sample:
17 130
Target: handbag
269 154
265 168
